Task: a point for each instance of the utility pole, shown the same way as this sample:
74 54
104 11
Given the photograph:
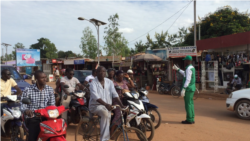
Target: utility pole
6 45
194 22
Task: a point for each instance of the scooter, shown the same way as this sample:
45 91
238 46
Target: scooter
78 106
11 123
52 129
151 109
137 116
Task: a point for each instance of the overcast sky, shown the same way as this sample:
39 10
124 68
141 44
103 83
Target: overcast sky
25 22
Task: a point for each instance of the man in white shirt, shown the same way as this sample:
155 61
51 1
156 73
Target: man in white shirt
72 82
102 91
89 78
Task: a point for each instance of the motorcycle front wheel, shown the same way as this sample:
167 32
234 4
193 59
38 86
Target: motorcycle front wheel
17 133
155 117
147 127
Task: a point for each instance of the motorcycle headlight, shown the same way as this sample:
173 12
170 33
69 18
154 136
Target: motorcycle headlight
53 113
47 132
80 94
135 94
231 95
16 113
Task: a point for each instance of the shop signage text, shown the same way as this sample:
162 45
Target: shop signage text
182 51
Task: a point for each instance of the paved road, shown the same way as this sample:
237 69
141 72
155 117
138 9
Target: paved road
212 122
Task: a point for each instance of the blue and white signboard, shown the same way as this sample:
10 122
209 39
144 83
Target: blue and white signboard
27 57
78 62
162 53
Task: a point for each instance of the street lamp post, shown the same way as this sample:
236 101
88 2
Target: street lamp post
96 23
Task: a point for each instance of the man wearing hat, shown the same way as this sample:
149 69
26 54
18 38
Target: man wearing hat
188 88
236 80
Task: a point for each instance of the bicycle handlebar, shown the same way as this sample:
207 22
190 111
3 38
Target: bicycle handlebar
115 106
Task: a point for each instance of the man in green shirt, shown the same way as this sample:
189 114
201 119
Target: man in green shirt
188 88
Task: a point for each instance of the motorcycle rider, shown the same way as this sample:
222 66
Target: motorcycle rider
6 83
129 77
73 83
90 77
41 96
236 80
188 88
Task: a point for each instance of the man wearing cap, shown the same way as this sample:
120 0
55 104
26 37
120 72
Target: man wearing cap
130 80
188 88
236 80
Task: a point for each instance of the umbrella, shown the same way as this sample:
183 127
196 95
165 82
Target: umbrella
147 57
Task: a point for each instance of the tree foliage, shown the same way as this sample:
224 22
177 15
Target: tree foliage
115 42
224 21
89 45
40 45
17 45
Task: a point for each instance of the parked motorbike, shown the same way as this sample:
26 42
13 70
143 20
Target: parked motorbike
11 123
53 128
150 109
137 117
164 88
78 106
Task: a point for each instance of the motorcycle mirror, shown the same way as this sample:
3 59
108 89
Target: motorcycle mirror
66 86
26 101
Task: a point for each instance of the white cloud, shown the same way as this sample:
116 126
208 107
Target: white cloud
28 21
126 30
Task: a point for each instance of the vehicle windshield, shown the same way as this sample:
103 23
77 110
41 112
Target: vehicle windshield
84 73
14 74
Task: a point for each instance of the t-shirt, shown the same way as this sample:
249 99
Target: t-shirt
90 77
70 82
6 86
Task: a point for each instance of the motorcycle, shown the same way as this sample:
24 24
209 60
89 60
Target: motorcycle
137 117
151 109
164 88
11 123
53 128
78 108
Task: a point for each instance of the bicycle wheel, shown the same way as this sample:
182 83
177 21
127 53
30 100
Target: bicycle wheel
87 132
131 134
175 91
155 117
196 94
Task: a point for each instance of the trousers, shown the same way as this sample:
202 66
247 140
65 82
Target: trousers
105 115
189 105
33 125
65 103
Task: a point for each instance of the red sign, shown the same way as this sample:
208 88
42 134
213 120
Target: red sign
53 60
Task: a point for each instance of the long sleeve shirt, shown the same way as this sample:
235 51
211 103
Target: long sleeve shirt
237 81
188 75
98 92
39 99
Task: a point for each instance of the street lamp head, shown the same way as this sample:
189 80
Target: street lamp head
81 18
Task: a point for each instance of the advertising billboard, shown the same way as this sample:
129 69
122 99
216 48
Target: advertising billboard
182 51
160 53
27 57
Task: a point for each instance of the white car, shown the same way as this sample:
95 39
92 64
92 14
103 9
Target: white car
239 101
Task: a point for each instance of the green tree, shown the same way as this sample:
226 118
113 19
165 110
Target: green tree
115 42
88 43
224 21
61 54
50 48
40 45
163 40
17 45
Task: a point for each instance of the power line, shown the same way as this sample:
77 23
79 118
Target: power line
179 16
161 23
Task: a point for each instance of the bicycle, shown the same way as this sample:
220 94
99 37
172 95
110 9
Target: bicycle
176 92
90 131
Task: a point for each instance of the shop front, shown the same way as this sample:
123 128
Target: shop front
231 53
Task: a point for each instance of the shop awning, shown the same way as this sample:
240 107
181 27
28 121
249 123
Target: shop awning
224 41
68 62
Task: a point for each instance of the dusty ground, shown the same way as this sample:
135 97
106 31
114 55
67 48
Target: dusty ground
212 122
